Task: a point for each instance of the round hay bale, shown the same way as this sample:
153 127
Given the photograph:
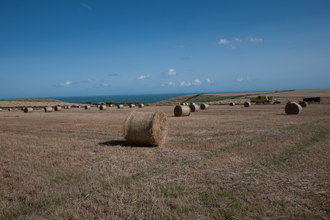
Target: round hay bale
98 106
0 109
247 104
131 105
10 109
194 107
182 110
293 108
58 108
103 107
48 109
28 110
303 104
141 105
120 106
22 109
232 104
204 106
87 107
145 128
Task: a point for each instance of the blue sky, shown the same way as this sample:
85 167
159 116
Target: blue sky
118 47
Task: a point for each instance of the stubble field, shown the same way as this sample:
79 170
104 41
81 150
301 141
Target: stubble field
228 162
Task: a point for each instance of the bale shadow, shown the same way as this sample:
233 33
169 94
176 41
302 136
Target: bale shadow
121 143
115 143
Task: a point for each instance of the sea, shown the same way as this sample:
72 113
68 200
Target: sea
147 99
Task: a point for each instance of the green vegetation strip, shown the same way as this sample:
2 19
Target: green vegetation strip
284 155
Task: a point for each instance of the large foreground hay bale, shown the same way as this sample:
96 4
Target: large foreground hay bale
87 107
120 106
292 108
28 110
141 105
247 104
131 105
232 104
145 128
182 110
194 107
204 106
303 104
48 109
103 107
58 108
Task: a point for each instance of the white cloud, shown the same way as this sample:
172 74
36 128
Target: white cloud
170 72
223 41
197 82
240 80
229 43
183 83
64 84
143 77
208 81
248 79
104 85
255 39
168 84
86 6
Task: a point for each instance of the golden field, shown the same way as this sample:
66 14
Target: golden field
228 162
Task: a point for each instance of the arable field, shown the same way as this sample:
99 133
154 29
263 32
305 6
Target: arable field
228 162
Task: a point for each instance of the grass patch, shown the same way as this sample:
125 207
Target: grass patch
285 154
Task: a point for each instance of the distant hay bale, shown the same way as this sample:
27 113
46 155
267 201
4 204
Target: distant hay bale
67 107
182 110
103 107
247 104
120 106
111 105
0 109
58 108
98 106
141 105
232 104
22 109
87 107
28 110
48 109
145 128
293 108
194 107
10 109
204 106
303 104
131 105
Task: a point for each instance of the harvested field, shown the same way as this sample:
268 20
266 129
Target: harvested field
224 163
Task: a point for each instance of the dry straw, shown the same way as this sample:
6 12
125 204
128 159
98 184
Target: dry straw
103 107
120 106
48 109
28 110
247 104
194 107
145 128
87 107
141 105
292 108
182 110
58 108
205 106
232 104
131 105
303 104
